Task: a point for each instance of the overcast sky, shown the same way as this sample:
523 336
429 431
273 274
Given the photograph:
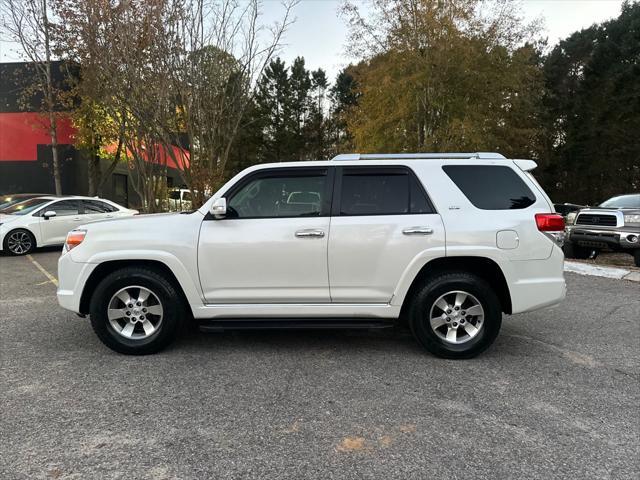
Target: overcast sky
319 34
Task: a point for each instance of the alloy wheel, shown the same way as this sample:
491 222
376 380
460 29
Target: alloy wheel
456 317
135 312
19 243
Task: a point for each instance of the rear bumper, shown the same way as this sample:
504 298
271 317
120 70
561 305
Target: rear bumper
614 238
536 284
72 277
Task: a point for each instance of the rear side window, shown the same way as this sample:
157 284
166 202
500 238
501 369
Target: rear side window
491 187
381 191
95 206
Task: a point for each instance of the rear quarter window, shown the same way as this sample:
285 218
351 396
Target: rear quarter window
491 187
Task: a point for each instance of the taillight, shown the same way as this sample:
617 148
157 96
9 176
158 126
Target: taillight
550 222
74 238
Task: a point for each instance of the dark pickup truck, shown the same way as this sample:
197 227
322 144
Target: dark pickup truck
614 225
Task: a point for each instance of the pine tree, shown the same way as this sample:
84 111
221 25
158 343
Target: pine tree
273 112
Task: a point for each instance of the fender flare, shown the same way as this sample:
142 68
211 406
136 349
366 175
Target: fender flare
189 285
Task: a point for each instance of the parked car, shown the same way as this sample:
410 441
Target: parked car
614 225
45 221
358 241
7 200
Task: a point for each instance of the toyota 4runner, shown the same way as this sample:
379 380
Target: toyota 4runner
445 243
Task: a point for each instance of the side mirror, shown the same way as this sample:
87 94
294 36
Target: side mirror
48 214
219 208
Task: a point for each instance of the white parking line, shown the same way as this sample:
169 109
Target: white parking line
51 278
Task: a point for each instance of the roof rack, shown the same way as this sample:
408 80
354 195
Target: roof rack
416 156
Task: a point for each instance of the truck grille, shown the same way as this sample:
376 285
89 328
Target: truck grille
596 219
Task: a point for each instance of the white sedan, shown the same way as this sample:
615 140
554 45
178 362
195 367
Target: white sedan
45 221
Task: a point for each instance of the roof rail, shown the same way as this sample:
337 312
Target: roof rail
416 156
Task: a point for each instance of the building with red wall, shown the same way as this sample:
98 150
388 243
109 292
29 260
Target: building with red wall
25 145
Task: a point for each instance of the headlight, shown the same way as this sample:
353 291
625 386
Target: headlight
631 219
74 238
571 218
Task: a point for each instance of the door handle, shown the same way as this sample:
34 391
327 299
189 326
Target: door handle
418 231
310 232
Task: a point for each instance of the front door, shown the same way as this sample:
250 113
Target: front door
272 245
381 222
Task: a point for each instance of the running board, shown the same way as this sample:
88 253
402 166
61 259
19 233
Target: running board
293 324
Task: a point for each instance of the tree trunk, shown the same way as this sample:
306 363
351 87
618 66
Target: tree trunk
94 174
91 174
53 126
103 177
53 131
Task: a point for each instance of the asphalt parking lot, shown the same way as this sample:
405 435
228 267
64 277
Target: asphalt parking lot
556 397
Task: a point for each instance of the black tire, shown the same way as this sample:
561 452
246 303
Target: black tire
169 298
22 232
574 251
636 257
431 291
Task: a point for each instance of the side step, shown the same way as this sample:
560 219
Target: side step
294 324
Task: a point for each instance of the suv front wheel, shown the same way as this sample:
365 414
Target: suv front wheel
136 311
455 315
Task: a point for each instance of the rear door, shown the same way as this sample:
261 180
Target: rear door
381 221
95 210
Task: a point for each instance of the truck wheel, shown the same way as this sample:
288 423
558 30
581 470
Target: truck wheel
19 242
455 315
636 257
136 311
574 251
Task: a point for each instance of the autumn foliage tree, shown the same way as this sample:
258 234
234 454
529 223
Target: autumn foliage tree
442 76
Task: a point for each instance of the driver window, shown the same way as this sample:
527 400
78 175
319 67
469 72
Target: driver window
279 196
64 208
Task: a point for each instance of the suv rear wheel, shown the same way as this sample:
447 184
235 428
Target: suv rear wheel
136 311
455 315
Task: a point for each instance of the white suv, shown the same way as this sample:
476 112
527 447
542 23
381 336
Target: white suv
442 242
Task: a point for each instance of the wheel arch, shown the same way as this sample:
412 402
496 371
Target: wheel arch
110 266
483 267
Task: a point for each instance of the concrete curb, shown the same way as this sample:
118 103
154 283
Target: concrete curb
599 271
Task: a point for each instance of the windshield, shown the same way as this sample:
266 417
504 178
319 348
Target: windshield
622 201
25 207
6 203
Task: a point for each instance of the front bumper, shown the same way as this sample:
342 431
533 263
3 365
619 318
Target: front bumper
72 276
614 238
